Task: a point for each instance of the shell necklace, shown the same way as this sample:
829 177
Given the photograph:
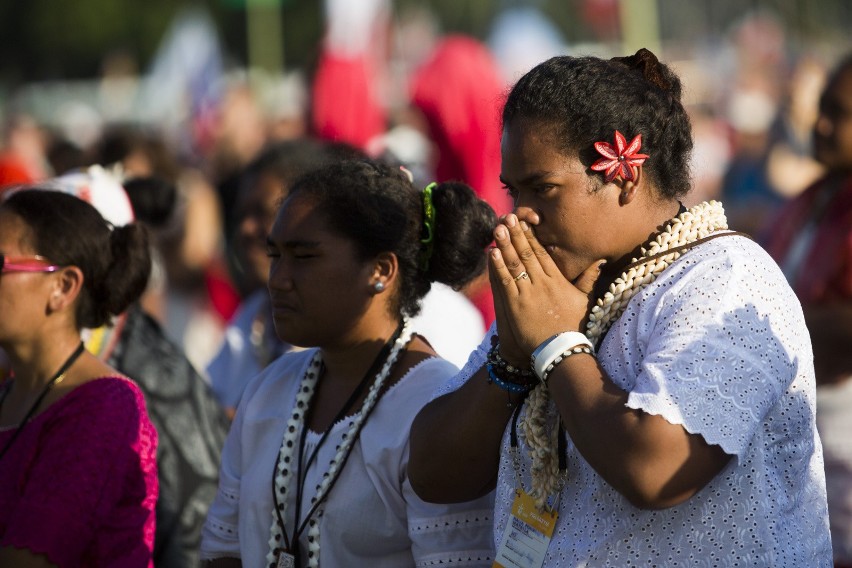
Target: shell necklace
278 556
680 234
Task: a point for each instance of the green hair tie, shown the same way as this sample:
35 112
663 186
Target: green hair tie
429 224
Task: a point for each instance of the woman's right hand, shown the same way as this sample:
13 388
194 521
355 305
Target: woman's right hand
509 348
533 300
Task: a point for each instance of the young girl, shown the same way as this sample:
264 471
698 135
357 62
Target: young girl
314 468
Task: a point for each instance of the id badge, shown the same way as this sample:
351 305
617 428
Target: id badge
286 560
527 535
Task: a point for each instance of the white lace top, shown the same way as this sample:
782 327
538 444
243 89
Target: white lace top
717 344
372 516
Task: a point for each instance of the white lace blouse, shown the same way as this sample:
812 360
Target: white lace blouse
372 516
717 344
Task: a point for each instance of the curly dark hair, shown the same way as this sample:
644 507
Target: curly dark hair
581 100
376 206
115 261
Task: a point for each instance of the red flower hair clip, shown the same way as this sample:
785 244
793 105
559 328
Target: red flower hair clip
618 161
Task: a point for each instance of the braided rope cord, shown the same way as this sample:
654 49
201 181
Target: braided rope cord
539 425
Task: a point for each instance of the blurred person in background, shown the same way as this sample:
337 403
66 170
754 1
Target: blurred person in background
451 92
711 153
23 151
712 145
238 136
459 90
811 239
78 476
153 200
751 101
352 60
773 156
250 342
790 163
196 298
64 155
284 101
520 37
440 124
746 191
239 131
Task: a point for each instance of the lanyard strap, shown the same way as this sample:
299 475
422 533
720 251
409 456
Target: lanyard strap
60 374
300 472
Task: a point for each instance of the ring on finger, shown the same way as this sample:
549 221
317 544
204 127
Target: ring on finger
522 276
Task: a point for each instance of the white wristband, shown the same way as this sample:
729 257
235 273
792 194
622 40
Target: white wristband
552 348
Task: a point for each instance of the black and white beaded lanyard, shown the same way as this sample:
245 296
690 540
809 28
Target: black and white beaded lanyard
304 466
55 379
561 448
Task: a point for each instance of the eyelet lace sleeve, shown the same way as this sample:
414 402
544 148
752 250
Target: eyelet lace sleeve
719 363
450 535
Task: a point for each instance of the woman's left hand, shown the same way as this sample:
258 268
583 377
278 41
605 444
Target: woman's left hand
536 298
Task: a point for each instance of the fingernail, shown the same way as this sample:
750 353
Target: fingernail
511 220
524 226
501 232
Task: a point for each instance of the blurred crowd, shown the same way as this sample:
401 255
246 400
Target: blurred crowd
205 153
386 85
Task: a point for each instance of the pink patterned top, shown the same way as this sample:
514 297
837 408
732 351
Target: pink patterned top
79 484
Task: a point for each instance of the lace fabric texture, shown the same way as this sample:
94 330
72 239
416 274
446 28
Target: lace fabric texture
80 483
372 516
717 344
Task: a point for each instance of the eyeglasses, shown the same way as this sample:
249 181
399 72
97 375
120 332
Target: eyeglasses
33 263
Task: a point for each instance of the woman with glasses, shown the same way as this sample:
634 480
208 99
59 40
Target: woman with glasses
78 479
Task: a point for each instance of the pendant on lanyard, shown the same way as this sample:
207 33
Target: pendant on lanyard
286 560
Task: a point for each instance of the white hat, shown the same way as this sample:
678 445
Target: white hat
99 187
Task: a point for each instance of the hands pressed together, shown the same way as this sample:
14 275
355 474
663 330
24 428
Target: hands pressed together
533 300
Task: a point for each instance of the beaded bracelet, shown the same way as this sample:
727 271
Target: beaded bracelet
564 355
513 378
514 388
517 374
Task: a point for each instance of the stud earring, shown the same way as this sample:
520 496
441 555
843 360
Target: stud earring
379 286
